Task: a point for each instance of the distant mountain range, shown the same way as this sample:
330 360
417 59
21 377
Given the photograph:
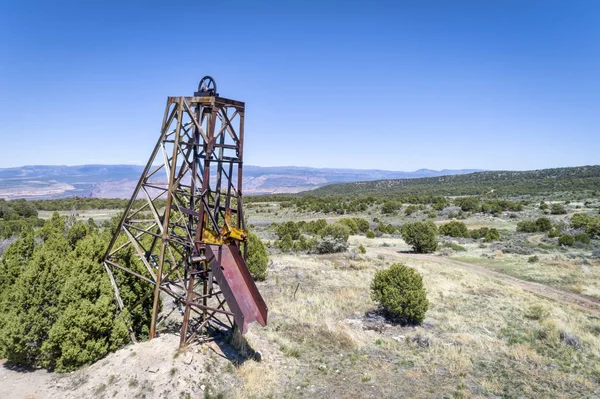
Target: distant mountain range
118 181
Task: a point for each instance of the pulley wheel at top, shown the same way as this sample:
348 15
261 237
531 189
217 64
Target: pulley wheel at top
208 85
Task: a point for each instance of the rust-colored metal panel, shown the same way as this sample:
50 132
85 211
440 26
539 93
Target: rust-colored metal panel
237 285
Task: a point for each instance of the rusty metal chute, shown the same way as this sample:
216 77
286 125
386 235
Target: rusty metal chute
184 226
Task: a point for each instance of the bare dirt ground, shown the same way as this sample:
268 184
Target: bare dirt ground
153 369
536 239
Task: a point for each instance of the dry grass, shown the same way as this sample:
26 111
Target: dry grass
259 380
479 338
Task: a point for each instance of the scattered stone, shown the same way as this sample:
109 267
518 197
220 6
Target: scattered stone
420 340
570 340
202 387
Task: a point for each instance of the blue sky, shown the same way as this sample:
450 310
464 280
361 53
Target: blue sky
387 85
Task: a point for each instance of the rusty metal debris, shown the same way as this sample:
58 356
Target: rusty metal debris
183 230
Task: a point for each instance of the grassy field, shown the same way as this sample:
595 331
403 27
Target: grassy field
480 337
99 215
483 336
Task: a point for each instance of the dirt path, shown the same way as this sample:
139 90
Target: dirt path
536 239
583 302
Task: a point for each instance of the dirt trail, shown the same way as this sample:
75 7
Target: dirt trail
536 239
584 302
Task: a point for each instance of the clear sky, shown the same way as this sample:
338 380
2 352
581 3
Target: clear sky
388 85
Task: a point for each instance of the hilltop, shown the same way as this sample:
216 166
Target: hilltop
478 183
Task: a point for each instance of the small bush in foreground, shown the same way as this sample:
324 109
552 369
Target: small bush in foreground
399 291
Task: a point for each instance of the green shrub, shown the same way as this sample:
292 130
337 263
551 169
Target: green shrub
558 209
431 215
468 204
258 257
566 240
350 223
286 244
399 291
421 236
454 229
370 234
527 226
593 229
543 206
330 245
385 228
479 233
492 235
410 210
362 249
591 224
533 226
543 224
439 204
314 226
362 224
533 259
553 233
288 228
389 207
57 309
337 231
581 220
582 238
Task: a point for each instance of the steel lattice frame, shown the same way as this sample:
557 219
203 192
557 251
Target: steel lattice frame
189 196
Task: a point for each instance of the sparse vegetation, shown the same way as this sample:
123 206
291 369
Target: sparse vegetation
322 315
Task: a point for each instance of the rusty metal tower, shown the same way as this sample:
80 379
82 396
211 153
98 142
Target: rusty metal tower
183 232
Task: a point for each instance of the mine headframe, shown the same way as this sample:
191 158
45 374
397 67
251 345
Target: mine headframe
183 233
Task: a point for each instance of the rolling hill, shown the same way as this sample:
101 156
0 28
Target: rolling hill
495 182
